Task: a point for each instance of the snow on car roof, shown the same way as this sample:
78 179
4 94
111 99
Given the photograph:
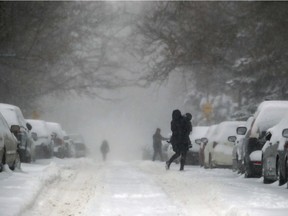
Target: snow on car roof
198 132
77 137
39 126
10 106
210 131
226 129
277 129
268 114
12 114
56 128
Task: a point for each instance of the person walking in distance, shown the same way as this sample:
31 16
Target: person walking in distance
157 144
104 149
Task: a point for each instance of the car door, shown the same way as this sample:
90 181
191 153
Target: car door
9 140
1 139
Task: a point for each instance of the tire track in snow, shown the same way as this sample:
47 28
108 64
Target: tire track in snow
194 195
68 196
126 191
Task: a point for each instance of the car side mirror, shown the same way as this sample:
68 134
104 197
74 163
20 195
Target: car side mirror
204 140
29 126
34 136
232 138
15 128
285 133
268 136
198 141
241 130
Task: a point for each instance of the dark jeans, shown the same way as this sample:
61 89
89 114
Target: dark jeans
182 159
157 150
104 156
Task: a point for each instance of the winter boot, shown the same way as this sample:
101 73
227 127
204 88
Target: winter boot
167 165
182 162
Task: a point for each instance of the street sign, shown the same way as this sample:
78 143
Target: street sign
35 115
207 108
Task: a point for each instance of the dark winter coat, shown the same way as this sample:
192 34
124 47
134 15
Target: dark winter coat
186 128
176 130
157 138
104 147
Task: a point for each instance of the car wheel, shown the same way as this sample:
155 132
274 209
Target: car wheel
247 172
16 163
265 180
2 162
281 179
210 161
28 159
286 171
279 175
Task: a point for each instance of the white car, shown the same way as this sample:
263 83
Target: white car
218 151
8 145
79 145
57 134
203 142
238 150
44 143
198 132
274 163
14 116
69 145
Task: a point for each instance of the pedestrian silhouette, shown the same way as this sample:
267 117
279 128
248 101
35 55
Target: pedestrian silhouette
104 149
181 127
157 144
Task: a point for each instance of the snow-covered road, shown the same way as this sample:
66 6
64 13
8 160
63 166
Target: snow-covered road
91 188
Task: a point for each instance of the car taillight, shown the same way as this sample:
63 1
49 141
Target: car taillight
286 145
258 163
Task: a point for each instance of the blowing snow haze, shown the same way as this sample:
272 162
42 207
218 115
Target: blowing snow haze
127 124
116 70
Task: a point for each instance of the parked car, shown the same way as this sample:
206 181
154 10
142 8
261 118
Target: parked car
284 151
238 150
218 151
268 114
204 140
14 116
79 144
69 146
273 153
8 145
44 143
198 132
57 134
